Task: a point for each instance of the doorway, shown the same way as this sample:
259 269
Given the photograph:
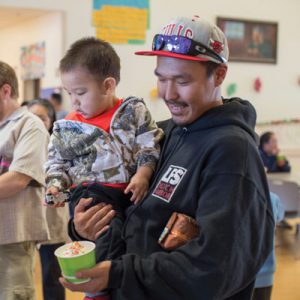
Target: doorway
31 89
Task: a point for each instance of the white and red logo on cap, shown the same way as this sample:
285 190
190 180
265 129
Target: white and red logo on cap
217 46
178 29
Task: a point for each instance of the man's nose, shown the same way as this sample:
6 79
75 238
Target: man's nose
171 91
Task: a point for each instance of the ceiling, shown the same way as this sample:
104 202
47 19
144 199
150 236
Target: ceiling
10 16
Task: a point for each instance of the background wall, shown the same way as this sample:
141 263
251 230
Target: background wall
280 94
48 28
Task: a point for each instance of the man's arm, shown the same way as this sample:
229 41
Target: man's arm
12 183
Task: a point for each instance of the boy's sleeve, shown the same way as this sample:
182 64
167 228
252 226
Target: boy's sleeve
56 167
148 136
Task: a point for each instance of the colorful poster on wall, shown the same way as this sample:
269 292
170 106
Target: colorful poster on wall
121 21
33 61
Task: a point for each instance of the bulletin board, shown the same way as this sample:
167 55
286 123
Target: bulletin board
33 61
121 21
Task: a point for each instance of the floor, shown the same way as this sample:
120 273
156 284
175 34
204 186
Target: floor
287 283
287 276
39 293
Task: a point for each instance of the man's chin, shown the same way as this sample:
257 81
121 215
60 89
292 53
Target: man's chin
179 120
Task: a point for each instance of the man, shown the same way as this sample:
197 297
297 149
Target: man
23 151
56 101
209 169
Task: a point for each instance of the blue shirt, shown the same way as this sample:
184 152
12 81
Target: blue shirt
265 276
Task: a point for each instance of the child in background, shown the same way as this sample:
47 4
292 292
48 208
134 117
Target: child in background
56 219
265 277
269 152
107 148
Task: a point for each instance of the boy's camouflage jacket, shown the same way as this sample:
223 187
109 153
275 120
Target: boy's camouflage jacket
80 152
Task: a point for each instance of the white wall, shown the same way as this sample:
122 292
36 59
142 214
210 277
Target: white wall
31 32
280 94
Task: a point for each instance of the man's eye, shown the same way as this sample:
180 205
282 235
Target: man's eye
80 94
182 82
160 79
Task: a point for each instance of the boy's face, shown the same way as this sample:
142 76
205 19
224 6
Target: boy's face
89 97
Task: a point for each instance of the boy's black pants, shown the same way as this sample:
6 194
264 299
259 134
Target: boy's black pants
109 245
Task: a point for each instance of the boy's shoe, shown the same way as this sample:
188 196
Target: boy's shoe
99 297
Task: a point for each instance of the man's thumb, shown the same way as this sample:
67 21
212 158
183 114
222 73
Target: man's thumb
83 203
87 273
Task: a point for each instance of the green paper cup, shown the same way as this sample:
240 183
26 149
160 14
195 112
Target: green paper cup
280 157
70 261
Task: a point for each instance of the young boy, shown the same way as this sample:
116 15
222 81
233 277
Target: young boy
108 147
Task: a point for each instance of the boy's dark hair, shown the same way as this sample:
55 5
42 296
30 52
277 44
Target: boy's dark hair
57 98
8 76
265 138
95 55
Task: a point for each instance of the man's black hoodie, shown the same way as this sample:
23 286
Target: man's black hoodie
210 170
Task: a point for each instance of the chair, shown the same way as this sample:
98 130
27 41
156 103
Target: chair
288 191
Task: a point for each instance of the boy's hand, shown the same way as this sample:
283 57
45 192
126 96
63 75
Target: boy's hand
54 191
138 186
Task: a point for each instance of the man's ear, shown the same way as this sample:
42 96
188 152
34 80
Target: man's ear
5 91
220 74
110 85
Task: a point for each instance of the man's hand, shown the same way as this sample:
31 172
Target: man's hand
92 222
99 279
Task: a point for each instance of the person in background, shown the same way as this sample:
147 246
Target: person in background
270 154
56 100
57 219
209 169
23 152
265 277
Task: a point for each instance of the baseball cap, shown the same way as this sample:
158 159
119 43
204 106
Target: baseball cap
190 39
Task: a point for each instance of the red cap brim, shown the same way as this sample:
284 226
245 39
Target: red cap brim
171 54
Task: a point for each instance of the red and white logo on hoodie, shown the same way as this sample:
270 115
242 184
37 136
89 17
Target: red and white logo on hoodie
168 183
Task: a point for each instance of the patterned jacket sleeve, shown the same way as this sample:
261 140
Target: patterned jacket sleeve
146 150
56 167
